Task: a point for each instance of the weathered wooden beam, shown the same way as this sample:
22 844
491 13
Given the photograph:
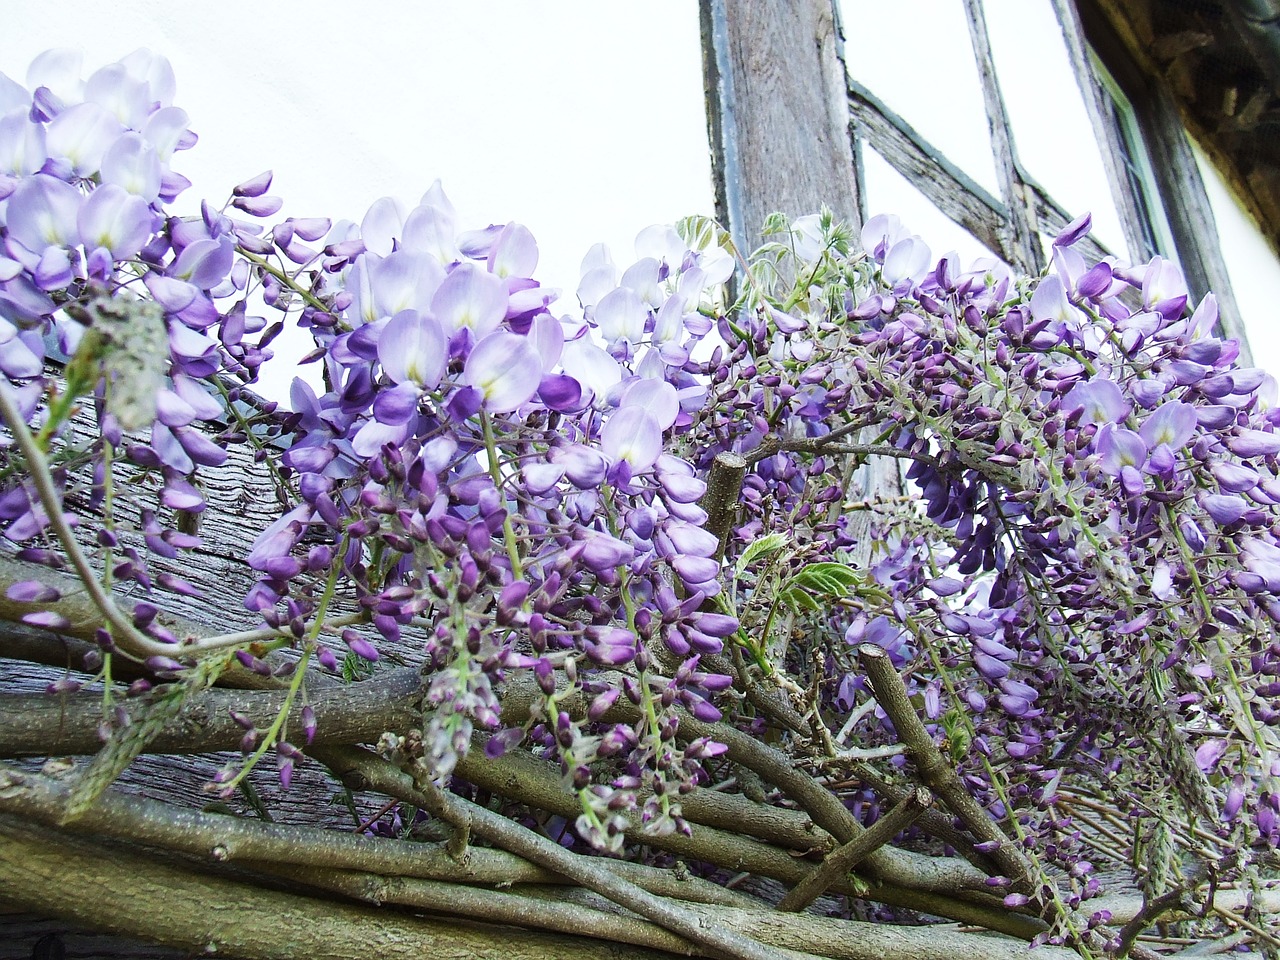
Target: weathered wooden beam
1191 219
1108 136
944 184
776 113
1020 226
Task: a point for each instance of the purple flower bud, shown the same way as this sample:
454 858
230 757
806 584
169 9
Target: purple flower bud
254 187
47 620
32 591
545 674
309 723
716 624
601 704
703 748
601 552
258 206
163 665
1223 508
1254 443
704 710
695 570
1233 477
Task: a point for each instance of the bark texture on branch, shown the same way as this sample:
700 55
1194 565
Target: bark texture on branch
131 895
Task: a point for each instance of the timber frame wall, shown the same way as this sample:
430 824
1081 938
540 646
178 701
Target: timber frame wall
787 127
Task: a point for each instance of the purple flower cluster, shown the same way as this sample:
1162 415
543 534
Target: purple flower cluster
92 267
1092 585
1079 566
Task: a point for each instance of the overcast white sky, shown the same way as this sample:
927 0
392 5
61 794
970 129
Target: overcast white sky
583 120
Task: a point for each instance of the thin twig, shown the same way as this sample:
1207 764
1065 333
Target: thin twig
1151 911
359 767
855 851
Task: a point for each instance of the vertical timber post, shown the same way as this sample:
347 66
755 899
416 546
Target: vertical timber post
777 113
780 131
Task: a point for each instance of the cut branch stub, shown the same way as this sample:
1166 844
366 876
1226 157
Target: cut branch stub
724 488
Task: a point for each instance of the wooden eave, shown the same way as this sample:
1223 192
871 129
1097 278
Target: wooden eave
1220 62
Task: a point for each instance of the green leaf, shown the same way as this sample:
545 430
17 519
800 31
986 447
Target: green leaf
766 546
776 223
812 587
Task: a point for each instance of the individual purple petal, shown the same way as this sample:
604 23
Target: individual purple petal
115 219
1100 401
505 368
203 403
907 260
255 186
1209 753
413 347
172 410
46 619
133 165
1120 448
1074 231
1216 416
310 228
204 263
621 315
1148 392
431 230
560 392
381 225
658 397
1205 318
22 144
1234 477
695 570
880 233
397 405
540 477
374 435
601 552
42 212
258 206
1172 423
82 134
514 253
1050 302
1254 443
404 280
1224 508
1163 288
17 358
583 467
200 447
280 537
127 98
53 271
692 540
632 434
470 297
591 366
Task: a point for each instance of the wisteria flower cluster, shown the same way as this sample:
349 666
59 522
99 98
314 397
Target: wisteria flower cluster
1072 557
